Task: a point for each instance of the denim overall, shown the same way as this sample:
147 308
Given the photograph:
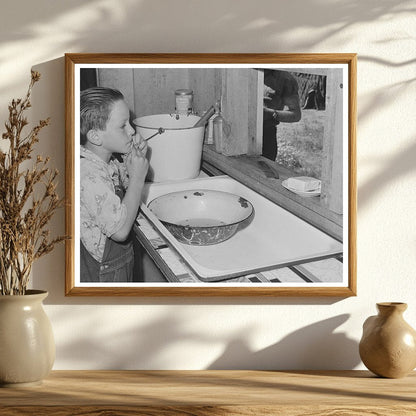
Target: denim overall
116 264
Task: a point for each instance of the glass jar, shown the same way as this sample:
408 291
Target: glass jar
183 101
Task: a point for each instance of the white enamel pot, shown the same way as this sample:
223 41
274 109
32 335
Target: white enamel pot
175 153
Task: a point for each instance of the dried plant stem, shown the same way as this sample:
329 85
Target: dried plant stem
23 217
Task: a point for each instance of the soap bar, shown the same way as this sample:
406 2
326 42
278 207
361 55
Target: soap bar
303 183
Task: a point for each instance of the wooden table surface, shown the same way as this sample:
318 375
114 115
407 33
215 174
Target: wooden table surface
253 393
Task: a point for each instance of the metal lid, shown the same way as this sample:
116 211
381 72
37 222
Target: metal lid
183 92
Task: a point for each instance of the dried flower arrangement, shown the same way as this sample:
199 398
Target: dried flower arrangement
28 200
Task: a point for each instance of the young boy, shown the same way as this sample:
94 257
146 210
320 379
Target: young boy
110 190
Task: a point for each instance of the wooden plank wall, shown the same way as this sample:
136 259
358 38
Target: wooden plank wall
152 91
255 113
147 90
206 85
239 105
120 79
332 166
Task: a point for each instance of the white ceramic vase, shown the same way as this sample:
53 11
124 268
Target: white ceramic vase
27 346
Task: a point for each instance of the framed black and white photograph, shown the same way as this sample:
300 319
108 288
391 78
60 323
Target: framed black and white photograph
211 174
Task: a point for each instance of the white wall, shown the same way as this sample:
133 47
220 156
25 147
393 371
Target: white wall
200 333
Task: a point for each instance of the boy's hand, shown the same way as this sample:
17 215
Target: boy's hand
137 164
139 143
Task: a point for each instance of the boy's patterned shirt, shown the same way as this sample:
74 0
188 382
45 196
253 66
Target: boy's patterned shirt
102 213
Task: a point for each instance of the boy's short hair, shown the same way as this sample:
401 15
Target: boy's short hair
96 104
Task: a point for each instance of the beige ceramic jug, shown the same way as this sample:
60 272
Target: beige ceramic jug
388 345
27 347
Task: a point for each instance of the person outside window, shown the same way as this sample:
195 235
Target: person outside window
281 105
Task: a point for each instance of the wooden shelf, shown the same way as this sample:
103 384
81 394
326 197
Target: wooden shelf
213 392
246 170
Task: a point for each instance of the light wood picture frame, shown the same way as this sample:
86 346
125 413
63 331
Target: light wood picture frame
148 83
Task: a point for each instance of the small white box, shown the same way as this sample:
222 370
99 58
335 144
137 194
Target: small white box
303 183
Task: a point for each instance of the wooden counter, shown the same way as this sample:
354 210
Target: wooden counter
253 393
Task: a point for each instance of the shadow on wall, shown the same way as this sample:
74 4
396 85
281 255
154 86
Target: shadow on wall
144 18
143 347
29 36
252 21
313 347
77 26
396 167
48 99
403 162
153 345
